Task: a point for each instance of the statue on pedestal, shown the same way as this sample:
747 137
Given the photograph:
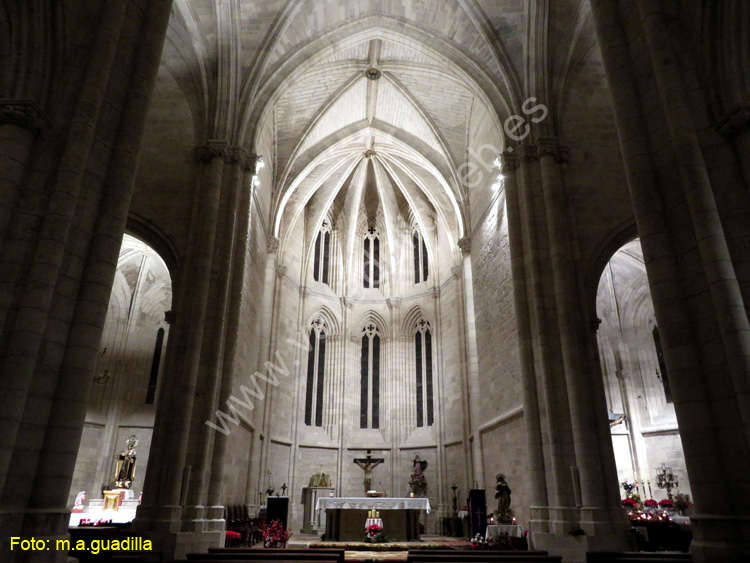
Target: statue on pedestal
504 513
418 483
125 470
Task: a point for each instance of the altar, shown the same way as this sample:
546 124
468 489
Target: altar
346 516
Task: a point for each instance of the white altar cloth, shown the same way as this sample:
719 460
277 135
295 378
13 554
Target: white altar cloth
373 503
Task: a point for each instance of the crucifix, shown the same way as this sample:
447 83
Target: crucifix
367 464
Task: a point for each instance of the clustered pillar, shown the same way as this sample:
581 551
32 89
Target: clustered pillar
70 131
575 507
183 492
691 205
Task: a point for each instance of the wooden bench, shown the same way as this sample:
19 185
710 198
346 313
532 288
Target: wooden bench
337 554
476 552
311 555
453 556
635 556
251 557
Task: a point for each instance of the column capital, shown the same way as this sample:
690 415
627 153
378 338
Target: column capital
457 271
509 160
550 146
24 113
280 270
465 245
736 121
213 148
304 291
346 302
393 303
272 244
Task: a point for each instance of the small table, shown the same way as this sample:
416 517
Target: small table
345 517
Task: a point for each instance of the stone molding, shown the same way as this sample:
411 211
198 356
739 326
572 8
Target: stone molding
736 121
457 271
280 270
393 303
24 113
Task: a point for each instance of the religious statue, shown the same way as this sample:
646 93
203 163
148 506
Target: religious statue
80 499
125 471
367 464
504 514
418 483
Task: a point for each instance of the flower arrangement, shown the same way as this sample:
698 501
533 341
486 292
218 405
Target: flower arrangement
630 503
375 534
666 503
681 502
418 485
628 486
478 542
506 542
650 503
274 534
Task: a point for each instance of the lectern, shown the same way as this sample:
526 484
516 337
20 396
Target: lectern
278 509
478 511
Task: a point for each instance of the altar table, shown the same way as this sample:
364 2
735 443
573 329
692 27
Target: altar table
346 517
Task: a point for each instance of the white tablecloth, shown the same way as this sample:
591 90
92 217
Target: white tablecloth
512 530
373 503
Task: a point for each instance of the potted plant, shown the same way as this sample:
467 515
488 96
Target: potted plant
374 534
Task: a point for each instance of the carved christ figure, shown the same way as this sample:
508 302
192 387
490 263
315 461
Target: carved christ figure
367 464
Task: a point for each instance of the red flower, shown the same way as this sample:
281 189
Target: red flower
630 503
651 502
666 503
373 529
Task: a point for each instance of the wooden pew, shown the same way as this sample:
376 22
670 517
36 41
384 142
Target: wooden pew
309 555
480 556
636 556
332 553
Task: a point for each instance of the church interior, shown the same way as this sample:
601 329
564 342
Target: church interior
356 262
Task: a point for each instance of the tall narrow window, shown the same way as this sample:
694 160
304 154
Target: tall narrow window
662 365
155 362
315 374
371 273
321 259
369 410
424 386
421 261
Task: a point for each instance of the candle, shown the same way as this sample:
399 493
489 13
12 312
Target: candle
377 514
411 494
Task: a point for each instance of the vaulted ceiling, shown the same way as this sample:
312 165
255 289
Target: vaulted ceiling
316 85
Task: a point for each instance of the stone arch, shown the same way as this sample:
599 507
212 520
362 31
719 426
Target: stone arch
373 317
327 315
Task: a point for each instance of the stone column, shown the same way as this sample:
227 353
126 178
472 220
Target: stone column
21 122
691 272
58 318
564 404
168 478
473 363
532 422
238 272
